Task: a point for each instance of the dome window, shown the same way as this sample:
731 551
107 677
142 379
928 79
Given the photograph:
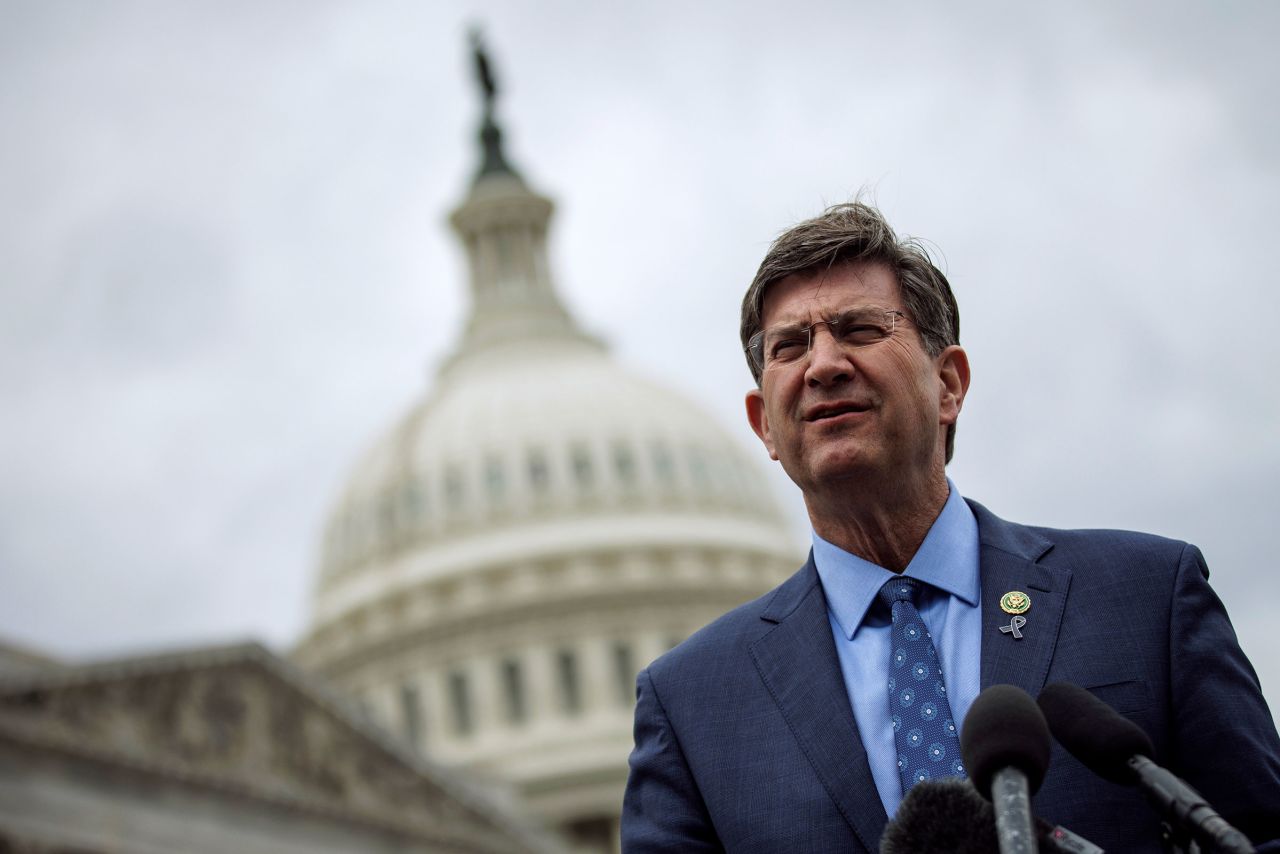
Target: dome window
411 711
624 672
698 467
454 493
460 703
495 482
413 500
508 276
624 464
513 692
569 682
539 472
387 519
663 465
583 473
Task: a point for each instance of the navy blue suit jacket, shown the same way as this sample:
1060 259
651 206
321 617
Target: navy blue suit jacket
745 740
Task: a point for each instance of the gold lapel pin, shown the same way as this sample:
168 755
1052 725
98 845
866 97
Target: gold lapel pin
1015 603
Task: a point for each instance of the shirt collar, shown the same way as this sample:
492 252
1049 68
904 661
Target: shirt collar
947 560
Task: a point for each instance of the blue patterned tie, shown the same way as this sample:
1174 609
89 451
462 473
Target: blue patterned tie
924 731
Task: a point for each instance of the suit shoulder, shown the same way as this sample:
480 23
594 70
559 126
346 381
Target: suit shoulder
1112 551
1114 544
1127 555
1113 540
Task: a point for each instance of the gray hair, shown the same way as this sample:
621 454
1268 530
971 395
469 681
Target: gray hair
851 232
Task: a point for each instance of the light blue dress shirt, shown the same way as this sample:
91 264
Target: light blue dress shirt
947 561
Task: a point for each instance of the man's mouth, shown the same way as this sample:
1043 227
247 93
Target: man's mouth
825 411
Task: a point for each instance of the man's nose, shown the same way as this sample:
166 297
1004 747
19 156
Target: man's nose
828 359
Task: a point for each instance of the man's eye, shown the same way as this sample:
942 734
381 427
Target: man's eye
862 333
789 348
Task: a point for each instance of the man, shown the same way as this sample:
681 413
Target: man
797 721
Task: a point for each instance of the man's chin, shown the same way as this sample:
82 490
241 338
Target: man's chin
843 469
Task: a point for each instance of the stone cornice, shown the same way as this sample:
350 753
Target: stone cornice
551 540
19 723
389 646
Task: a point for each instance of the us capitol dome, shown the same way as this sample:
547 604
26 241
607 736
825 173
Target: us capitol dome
532 532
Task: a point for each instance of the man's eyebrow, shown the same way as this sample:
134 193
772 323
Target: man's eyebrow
787 327
790 326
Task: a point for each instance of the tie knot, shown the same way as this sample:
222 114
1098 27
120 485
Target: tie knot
900 589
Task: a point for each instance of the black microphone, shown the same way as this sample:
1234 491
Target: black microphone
1005 744
1116 749
941 817
948 816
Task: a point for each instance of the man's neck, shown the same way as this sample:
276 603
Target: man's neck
884 527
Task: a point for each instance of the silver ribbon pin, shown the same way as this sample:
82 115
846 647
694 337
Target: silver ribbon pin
1014 626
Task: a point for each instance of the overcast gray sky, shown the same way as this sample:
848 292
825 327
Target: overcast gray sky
226 269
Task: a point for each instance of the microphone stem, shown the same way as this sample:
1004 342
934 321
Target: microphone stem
1190 812
1013 812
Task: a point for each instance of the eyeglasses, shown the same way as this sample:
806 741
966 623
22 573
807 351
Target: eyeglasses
856 327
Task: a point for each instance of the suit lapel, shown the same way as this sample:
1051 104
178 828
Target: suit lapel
797 660
1008 558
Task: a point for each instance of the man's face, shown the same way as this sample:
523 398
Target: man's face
877 413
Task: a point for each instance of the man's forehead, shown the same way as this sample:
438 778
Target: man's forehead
800 296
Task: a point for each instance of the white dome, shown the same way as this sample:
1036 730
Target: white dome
528 536
525 444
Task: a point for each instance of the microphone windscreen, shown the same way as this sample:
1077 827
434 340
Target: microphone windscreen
1005 729
1093 732
941 817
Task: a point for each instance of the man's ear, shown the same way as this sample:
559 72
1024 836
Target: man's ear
759 420
953 371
